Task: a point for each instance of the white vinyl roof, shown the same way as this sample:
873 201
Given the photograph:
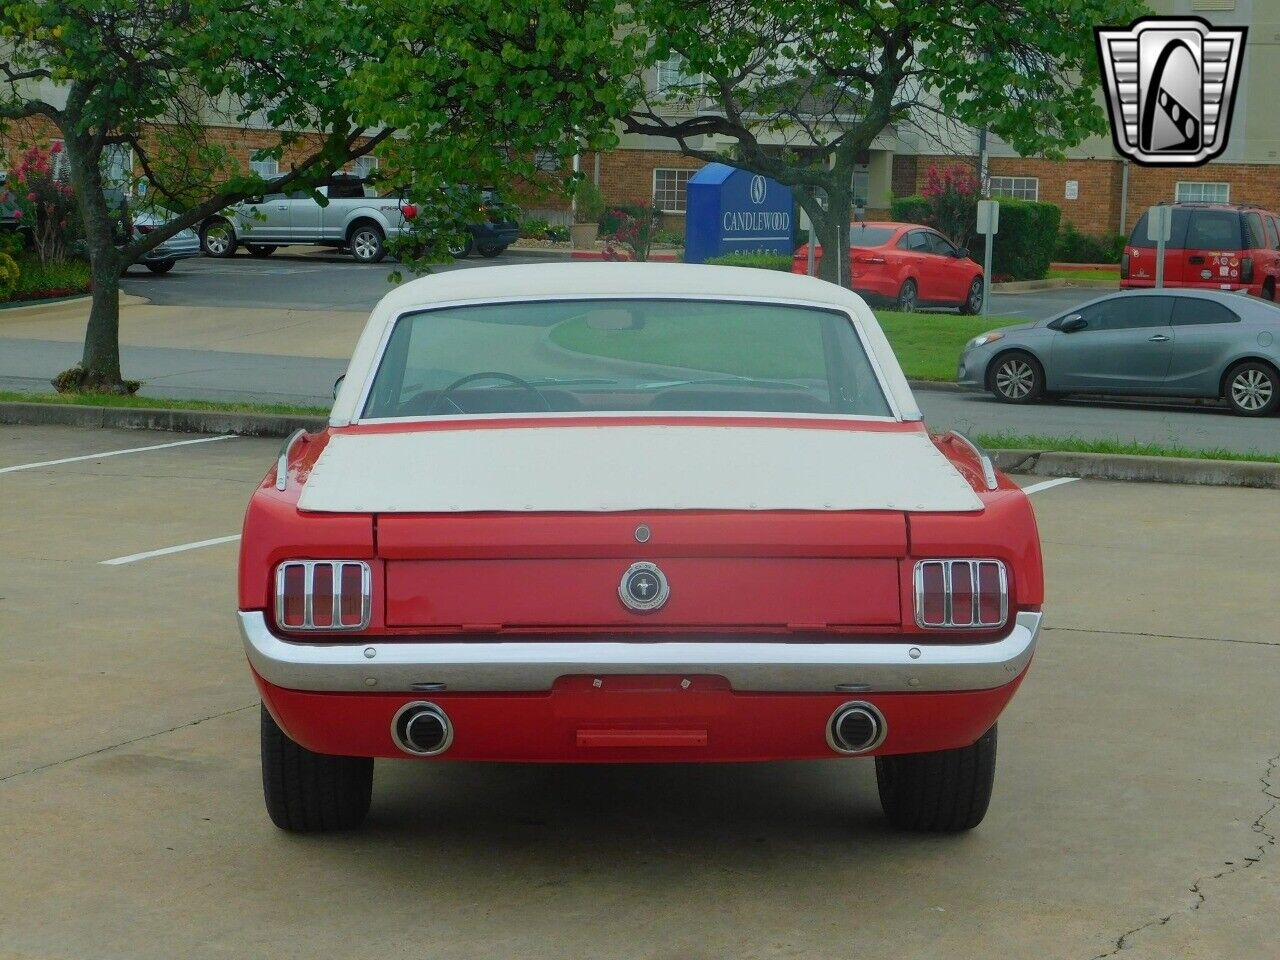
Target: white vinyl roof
548 281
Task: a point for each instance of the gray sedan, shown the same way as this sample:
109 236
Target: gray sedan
1151 343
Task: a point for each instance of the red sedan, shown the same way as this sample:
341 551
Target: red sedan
907 265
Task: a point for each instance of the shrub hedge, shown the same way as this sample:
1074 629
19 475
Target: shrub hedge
910 209
761 261
1024 245
1076 247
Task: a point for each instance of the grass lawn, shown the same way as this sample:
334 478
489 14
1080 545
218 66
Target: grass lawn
157 403
1016 441
1110 275
928 345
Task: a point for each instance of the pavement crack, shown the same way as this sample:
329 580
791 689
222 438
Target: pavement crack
125 743
1164 636
1260 827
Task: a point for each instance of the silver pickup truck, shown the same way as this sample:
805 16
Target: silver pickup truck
356 219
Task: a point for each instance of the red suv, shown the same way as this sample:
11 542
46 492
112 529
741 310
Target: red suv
1213 246
907 265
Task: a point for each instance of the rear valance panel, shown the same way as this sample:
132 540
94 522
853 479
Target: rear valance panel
725 591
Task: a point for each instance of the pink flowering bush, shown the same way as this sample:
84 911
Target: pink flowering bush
953 194
634 231
45 203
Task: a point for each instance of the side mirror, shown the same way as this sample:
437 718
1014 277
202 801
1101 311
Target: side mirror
1072 323
962 253
337 384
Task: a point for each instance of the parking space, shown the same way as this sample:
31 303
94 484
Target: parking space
1135 805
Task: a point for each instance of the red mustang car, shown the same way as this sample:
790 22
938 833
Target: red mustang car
907 265
633 513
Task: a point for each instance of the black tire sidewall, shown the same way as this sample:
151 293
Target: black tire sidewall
376 232
915 297
1271 373
1037 391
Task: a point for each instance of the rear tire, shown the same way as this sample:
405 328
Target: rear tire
260 250
463 249
163 266
908 297
943 792
1252 388
367 243
217 239
1016 377
309 792
490 252
973 302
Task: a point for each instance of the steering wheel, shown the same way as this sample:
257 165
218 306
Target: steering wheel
444 395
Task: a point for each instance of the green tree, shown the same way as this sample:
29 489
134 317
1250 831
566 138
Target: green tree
798 90
454 92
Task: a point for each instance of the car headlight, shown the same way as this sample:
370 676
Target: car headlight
983 340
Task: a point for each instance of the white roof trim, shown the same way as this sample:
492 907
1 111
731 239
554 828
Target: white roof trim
599 280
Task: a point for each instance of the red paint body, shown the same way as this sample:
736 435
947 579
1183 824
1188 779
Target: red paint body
633 720
879 267
450 576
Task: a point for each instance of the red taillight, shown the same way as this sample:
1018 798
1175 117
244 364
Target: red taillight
323 594
963 594
409 211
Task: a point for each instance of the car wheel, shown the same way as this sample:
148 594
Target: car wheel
489 252
973 302
908 297
942 792
218 239
162 266
463 249
311 792
1016 377
260 249
1252 388
367 244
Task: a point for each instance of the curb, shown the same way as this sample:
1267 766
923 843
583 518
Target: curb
147 418
1054 283
1041 463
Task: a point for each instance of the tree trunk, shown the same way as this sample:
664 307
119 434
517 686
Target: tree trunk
99 369
830 227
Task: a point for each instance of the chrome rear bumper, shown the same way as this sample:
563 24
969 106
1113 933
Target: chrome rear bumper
879 665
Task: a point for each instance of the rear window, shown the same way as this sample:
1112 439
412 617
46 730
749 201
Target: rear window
1213 230
869 236
1177 231
624 356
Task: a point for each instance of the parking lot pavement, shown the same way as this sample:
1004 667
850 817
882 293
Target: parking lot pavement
1135 803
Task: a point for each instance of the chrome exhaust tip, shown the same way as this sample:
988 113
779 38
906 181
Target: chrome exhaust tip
856 727
422 729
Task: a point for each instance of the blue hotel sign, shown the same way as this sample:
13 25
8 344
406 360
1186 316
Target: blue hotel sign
730 211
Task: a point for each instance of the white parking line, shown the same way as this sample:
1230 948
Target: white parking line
163 551
1046 484
112 453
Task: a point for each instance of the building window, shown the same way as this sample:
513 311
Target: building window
117 166
1017 188
672 72
670 188
1197 191
548 161
268 168
364 167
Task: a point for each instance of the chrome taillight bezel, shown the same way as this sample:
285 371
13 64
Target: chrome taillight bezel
974 566
308 624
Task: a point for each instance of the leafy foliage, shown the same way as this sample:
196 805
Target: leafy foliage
1023 249
8 276
1076 247
634 231
826 77
588 205
45 204
759 261
58 278
912 209
952 194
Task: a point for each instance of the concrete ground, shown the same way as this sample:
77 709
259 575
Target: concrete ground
1135 811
